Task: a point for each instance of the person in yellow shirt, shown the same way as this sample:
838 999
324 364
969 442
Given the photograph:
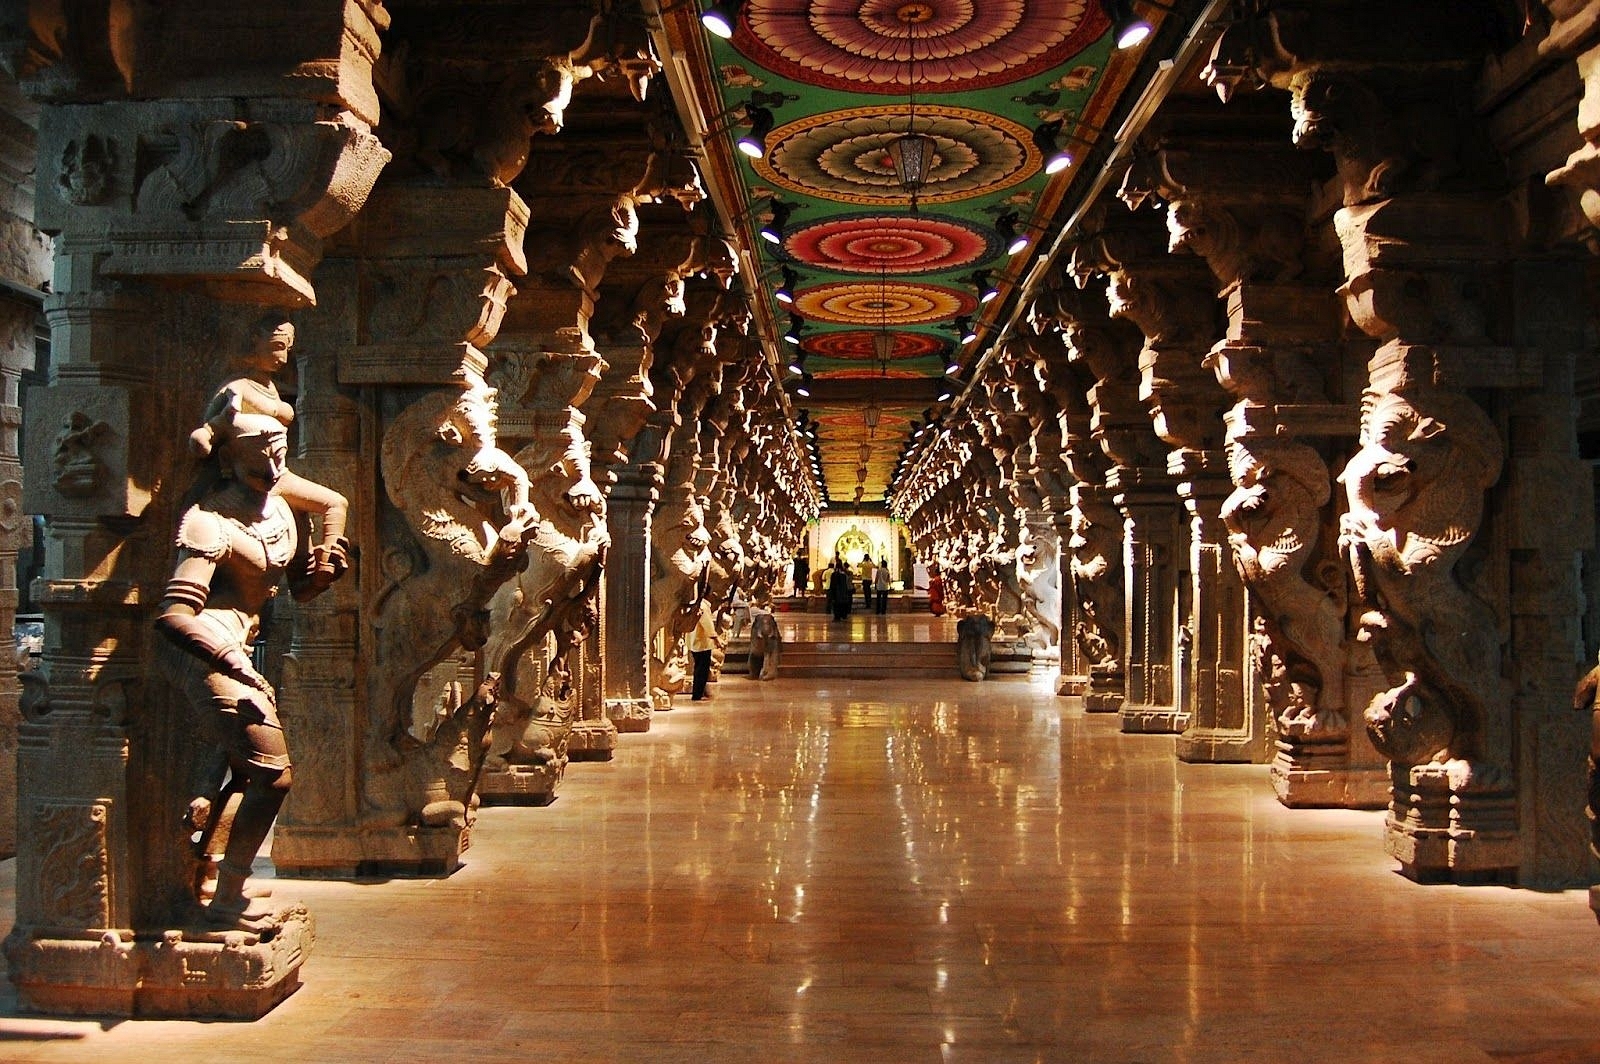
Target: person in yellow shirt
702 639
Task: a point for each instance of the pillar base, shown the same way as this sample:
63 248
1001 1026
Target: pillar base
1107 691
1067 684
521 784
1442 835
592 740
1308 782
629 714
1216 746
1153 720
190 973
300 852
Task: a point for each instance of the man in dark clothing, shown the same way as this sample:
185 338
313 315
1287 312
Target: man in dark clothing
841 589
802 574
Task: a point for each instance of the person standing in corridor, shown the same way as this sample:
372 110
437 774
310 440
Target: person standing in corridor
880 585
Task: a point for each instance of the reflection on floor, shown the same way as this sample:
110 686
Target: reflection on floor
837 872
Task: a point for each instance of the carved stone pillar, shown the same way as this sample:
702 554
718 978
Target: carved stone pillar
1435 535
1172 304
160 189
444 513
18 323
629 505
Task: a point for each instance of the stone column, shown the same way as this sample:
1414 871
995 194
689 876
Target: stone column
1434 536
18 323
160 190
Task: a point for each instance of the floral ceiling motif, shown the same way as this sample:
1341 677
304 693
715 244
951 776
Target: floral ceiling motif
858 345
899 243
840 82
891 303
844 155
946 45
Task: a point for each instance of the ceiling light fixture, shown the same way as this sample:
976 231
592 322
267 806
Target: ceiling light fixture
797 325
871 415
720 19
802 387
772 230
1007 225
797 364
965 330
986 289
784 293
1128 30
911 153
1056 158
883 339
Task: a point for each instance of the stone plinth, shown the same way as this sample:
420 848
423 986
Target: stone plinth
521 784
338 853
592 740
188 973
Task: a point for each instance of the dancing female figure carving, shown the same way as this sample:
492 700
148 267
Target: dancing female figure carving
235 546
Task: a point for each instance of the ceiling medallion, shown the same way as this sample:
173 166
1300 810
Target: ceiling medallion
856 46
844 155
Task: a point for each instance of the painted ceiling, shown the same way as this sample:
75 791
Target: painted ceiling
843 79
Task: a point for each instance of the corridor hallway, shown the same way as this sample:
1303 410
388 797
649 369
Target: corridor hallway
807 871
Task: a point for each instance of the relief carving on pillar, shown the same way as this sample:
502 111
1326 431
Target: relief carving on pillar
1273 517
1416 497
80 467
549 608
467 513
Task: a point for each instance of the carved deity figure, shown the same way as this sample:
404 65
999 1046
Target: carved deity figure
552 596
679 561
1039 578
254 392
235 545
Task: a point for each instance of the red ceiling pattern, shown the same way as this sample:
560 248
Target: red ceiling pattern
857 345
891 243
945 45
891 303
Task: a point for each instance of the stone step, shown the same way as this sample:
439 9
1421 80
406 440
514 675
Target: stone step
818 660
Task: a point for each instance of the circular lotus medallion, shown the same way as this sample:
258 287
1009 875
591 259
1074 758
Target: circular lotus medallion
935 46
844 155
900 243
892 303
860 345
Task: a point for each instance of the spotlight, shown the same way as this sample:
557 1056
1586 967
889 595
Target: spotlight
966 331
719 19
797 364
803 387
1127 28
1056 158
772 231
784 293
1006 226
953 367
986 290
754 143
946 390
796 325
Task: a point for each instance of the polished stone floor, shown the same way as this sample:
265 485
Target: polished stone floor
809 871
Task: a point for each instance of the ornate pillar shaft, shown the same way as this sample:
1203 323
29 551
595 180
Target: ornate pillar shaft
161 190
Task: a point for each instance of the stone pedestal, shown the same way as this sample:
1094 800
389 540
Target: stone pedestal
186 974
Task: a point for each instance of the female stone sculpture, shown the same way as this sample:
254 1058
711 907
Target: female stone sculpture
235 545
